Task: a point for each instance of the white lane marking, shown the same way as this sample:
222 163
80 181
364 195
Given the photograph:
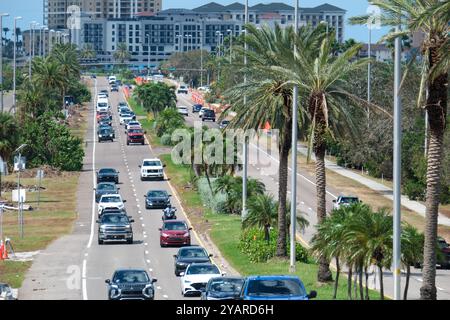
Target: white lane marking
148 261
146 244
302 202
146 252
86 254
143 225
165 296
139 211
145 236
158 287
141 218
310 209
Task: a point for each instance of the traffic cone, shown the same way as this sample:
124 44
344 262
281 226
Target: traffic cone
2 247
5 253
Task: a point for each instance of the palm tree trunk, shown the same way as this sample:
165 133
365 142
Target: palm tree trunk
361 289
336 282
324 274
267 233
282 189
380 268
408 274
367 283
437 111
349 283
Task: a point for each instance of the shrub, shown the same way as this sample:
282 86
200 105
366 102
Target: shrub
415 190
214 202
166 140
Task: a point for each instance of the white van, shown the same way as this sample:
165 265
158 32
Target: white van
112 79
102 105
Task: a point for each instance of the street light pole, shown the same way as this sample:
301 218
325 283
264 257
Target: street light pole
246 142
148 54
294 160
1 59
14 61
231 43
369 71
31 53
397 168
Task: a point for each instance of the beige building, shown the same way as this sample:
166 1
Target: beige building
57 12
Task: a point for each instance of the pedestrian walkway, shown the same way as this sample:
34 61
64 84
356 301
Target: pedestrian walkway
385 191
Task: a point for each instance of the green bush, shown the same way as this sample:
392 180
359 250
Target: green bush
253 244
415 190
214 202
166 140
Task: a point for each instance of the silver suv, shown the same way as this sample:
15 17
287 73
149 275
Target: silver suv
115 227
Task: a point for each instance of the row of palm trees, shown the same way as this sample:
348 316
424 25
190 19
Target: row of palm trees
327 109
360 238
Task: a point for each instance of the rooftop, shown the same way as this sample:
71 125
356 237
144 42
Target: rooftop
264 8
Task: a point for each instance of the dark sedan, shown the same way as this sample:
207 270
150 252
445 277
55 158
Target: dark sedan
188 255
105 188
131 285
105 134
223 288
157 199
108 175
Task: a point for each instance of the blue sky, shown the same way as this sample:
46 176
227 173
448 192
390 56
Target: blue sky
32 10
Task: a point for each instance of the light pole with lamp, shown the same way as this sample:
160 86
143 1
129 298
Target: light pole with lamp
14 61
369 70
19 197
230 32
246 142
148 55
31 53
1 59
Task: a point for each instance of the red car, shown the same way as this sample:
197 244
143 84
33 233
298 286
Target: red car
135 135
175 233
103 114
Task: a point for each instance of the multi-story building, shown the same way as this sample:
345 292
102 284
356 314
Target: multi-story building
57 12
152 38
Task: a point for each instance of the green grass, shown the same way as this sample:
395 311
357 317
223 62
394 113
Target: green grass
13 272
225 231
137 107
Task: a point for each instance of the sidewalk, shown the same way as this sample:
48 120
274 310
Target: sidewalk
387 192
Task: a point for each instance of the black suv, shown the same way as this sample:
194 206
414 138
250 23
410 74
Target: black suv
115 227
209 115
114 88
108 175
188 255
129 284
105 134
157 199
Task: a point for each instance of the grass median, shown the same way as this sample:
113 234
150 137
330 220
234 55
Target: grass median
225 231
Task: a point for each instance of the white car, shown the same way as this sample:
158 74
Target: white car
200 114
183 110
125 118
112 80
110 201
152 168
196 276
183 89
133 124
204 89
344 201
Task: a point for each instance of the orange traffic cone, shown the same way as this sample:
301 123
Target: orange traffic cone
2 247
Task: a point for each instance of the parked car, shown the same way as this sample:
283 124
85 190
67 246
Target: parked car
174 233
93 76
344 201
157 199
130 284
204 89
183 110
108 175
209 115
223 288
274 288
6 292
115 227
188 255
152 168
135 135
196 108
105 134
223 124
110 200
196 276
119 82
105 188
182 90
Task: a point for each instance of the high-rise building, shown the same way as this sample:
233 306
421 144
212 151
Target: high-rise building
57 13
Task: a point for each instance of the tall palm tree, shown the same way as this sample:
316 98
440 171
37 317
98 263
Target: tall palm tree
66 56
267 97
47 73
425 16
262 213
122 54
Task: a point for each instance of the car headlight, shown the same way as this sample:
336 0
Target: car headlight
99 135
102 228
128 228
186 234
115 292
111 135
182 264
148 291
165 235
121 206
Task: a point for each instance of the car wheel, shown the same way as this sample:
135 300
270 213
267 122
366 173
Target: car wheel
130 241
143 143
100 242
128 143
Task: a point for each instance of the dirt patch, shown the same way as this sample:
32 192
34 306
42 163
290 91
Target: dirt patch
49 172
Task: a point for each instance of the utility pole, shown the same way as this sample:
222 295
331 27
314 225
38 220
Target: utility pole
369 71
1 59
397 168
294 160
31 53
230 32
148 58
246 142
14 62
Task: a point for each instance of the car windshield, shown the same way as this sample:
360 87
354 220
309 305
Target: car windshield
152 164
106 187
134 123
193 253
135 131
202 269
102 105
226 285
175 226
284 287
105 131
107 171
115 218
110 199
130 277
225 122
157 194
349 200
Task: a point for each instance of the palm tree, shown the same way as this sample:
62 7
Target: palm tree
47 73
412 251
66 56
262 213
88 52
425 16
6 30
122 54
267 97
32 101
9 135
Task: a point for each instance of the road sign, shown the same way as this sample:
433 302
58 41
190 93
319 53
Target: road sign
23 195
40 174
19 164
